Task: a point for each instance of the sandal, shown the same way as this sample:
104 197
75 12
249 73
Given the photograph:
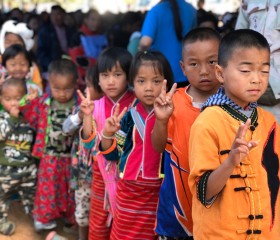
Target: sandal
7 228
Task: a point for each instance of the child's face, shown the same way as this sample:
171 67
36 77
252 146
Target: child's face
246 75
94 94
113 83
11 38
11 96
18 67
198 65
62 87
147 85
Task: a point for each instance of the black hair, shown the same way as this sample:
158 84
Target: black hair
207 17
15 82
131 18
242 38
14 50
91 11
109 57
57 7
158 62
93 78
63 67
201 34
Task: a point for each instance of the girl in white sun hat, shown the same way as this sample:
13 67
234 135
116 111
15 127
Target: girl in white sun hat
13 32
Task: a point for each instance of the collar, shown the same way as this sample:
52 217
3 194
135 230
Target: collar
220 99
47 98
142 111
242 117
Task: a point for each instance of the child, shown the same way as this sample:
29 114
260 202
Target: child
13 32
234 148
265 21
172 128
47 114
81 170
113 67
17 62
17 167
139 164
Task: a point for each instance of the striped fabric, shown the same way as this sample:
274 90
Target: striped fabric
220 98
136 209
98 229
138 121
99 209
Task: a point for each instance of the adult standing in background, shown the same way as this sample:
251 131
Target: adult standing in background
264 17
89 36
53 38
164 27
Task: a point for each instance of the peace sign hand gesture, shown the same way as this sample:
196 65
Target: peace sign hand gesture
163 105
87 105
241 147
112 124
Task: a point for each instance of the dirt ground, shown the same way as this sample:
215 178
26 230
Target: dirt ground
24 226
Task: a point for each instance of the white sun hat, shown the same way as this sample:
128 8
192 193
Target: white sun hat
20 29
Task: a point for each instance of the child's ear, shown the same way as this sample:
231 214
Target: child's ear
219 73
182 66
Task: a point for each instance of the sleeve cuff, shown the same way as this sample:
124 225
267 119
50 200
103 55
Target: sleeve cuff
110 149
91 137
201 186
76 119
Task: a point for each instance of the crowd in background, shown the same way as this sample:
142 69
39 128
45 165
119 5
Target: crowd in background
121 30
90 103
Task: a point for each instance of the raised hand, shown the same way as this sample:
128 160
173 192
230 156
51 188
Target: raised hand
241 147
112 124
87 105
163 105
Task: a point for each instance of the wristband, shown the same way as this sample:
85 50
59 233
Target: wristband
107 137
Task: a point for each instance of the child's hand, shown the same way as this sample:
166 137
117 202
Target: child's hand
241 147
87 105
112 124
163 105
33 93
14 112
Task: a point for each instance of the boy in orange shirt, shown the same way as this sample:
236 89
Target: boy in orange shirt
234 148
172 127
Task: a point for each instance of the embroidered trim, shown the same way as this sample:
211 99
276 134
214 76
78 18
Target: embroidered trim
202 189
110 149
241 117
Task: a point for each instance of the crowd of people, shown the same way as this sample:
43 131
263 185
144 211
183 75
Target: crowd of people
145 129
